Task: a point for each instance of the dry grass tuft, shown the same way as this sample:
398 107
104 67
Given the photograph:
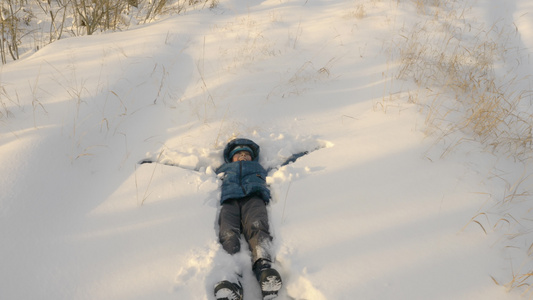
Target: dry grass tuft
456 69
469 93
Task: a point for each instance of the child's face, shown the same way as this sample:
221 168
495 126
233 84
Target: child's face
241 156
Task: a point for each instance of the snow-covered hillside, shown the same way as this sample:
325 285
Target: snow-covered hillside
381 207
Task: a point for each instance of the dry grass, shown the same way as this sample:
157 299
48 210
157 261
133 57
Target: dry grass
7 101
457 71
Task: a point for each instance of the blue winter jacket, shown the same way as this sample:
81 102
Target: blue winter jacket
243 178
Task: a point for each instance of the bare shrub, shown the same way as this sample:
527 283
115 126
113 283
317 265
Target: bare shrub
57 11
19 22
9 29
98 14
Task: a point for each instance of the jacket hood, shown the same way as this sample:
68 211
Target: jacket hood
241 142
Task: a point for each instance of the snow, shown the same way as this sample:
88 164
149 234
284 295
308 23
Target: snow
380 208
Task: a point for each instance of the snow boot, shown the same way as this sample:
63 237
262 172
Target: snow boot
226 290
269 279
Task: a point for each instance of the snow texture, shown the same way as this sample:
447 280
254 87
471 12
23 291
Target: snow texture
375 211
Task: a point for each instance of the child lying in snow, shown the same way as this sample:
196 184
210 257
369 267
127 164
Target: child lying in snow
244 196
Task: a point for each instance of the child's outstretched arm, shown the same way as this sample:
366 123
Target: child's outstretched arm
293 158
289 160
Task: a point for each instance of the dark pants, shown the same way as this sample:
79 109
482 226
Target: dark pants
249 217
